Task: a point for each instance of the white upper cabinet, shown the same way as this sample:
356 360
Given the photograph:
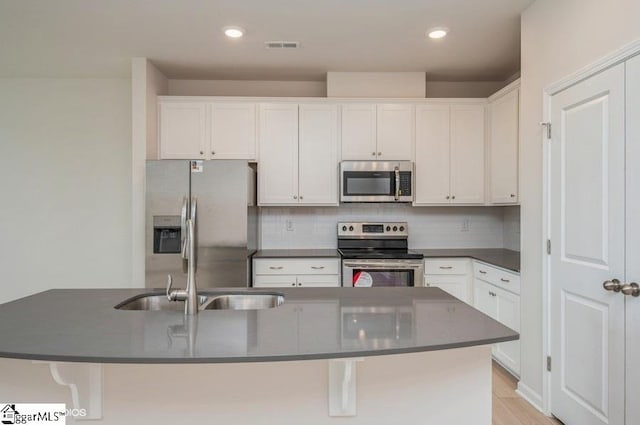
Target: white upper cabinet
432 155
395 132
298 154
318 154
450 154
183 130
359 132
503 147
207 130
377 132
233 130
467 154
278 166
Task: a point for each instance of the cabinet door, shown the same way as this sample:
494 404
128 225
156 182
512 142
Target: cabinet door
467 154
233 130
484 298
432 155
456 285
508 313
318 281
183 130
278 166
318 154
358 130
395 132
274 281
503 145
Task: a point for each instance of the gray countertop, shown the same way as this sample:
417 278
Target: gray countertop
504 258
81 325
297 253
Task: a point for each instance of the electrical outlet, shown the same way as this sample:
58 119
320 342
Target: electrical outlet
465 225
289 225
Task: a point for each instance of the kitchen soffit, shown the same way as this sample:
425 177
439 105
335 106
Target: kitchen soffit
73 38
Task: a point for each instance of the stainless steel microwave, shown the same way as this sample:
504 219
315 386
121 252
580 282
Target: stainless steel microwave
376 181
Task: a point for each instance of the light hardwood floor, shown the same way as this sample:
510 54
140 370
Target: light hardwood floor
508 407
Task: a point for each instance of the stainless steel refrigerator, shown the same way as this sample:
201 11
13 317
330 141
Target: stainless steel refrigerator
222 196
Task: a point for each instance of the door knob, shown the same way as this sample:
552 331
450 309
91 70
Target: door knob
631 289
612 285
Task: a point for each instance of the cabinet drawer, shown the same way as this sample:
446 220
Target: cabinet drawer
296 267
501 278
274 281
319 281
446 266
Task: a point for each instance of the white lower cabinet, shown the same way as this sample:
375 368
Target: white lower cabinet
491 298
296 272
452 275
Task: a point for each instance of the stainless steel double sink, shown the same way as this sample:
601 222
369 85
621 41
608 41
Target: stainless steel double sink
206 301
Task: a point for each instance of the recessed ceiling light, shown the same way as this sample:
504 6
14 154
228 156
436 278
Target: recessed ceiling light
233 32
436 33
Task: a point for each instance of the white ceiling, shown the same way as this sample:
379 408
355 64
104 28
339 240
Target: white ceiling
97 38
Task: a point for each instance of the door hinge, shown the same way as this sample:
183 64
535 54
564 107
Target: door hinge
547 126
548 363
549 246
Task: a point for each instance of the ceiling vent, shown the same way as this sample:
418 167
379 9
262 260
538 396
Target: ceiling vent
281 44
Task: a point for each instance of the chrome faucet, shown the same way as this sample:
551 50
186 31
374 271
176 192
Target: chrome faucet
190 294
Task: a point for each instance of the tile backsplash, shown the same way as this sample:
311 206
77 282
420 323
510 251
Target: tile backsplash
429 227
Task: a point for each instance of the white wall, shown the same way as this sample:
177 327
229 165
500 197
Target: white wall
442 89
376 84
429 227
558 38
65 181
247 88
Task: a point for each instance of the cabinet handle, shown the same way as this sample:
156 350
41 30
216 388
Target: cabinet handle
493 294
201 153
301 197
453 197
299 283
317 267
505 280
275 267
513 195
293 284
379 153
213 152
295 196
373 153
448 197
446 267
482 271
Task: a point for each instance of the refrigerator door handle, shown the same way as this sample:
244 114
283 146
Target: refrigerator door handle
193 210
183 228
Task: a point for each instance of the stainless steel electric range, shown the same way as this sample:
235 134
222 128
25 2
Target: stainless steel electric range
377 254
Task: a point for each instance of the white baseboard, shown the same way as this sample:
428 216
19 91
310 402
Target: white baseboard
530 396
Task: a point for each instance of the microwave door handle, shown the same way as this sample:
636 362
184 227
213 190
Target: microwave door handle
397 191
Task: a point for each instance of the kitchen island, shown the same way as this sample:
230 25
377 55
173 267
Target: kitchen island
419 353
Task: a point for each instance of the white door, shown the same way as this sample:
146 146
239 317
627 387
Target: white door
587 219
395 132
633 239
278 166
233 130
183 130
503 146
359 131
467 154
432 155
318 154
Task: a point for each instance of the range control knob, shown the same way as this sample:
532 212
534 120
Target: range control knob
402 228
388 228
351 228
344 228
395 228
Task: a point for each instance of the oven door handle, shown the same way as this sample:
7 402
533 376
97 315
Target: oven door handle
397 191
381 265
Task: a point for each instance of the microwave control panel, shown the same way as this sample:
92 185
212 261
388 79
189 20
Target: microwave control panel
405 183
